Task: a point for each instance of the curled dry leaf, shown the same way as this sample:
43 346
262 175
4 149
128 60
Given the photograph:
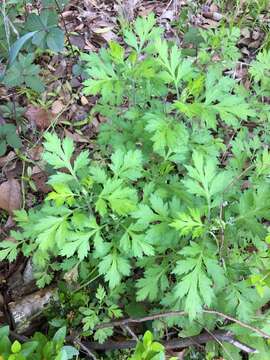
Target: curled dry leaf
10 195
39 117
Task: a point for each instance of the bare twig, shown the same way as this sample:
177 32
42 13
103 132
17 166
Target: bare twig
181 313
18 337
130 331
85 349
167 7
219 341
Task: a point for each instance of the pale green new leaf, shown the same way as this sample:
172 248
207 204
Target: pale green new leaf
219 100
79 244
175 67
103 334
81 161
120 198
47 228
189 223
8 250
61 194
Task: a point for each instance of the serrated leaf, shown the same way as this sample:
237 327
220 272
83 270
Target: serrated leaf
154 283
121 199
114 267
189 224
127 165
205 180
55 39
195 286
133 242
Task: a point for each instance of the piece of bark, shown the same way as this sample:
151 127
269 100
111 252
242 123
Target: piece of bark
27 308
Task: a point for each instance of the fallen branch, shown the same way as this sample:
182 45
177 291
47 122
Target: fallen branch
180 313
88 347
224 336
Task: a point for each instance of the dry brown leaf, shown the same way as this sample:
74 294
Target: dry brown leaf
78 41
84 100
6 159
109 36
38 116
35 152
10 195
213 16
76 137
57 107
102 30
40 179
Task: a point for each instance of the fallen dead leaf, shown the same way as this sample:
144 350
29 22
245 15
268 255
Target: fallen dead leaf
57 107
109 36
35 152
40 179
144 11
10 223
102 30
213 16
10 195
76 137
256 35
84 100
39 117
6 159
254 44
77 41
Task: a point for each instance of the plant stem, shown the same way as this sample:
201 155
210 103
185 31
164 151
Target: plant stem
65 27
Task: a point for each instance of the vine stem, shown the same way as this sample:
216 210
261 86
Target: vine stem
65 27
181 313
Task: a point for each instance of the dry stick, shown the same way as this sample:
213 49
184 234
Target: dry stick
225 336
181 313
220 342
